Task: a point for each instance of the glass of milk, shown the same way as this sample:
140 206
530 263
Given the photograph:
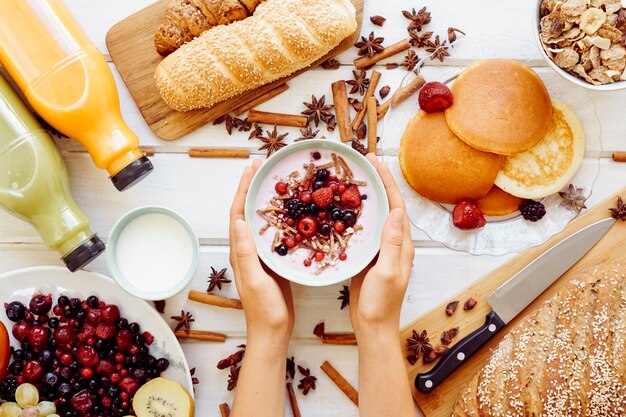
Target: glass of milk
152 253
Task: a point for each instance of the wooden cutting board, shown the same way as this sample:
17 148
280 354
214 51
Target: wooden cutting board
131 46
439 402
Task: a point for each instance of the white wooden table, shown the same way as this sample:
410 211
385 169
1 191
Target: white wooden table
202 189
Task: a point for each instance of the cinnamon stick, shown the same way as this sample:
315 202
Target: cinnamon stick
341 382
224 410
256 116
201 335
619 156
339 339
214 300
342 110
372 125
391 50
400 95
374 79
293 400
218 153
260 99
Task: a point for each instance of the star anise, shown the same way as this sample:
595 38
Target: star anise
228 121
371 45
573 198
420 40
184 321
256 132
355 103
392 65
344 297
452 34
291 368
620 211
359 147
194 380
306 134
308 382
419 344
448 335
233 359
411 60
242 125
319 330
159 305
331 125
272 142
438 50
418 19
216 279
233 377
331 64
359 83
318 110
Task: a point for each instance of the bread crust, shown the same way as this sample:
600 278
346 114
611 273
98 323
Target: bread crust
565 359
280 38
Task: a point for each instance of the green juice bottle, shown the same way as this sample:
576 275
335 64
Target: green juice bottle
34 184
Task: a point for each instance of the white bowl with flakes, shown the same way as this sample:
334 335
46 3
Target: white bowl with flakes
618 85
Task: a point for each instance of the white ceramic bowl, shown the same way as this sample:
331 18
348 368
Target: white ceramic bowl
112 261
357 260
619 85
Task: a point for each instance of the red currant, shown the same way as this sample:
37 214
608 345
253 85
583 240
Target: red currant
299 238
342 188
306 197
281 188
291 222
319 256
339 226
290 242
307 262
86 373
343 256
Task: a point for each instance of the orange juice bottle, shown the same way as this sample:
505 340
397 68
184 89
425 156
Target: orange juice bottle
67 81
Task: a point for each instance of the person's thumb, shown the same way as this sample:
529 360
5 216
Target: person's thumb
391 242
246 253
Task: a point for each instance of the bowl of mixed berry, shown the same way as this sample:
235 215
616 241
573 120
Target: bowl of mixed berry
316 209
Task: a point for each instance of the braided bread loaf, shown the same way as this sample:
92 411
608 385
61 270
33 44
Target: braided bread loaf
280 38
185 20
567 359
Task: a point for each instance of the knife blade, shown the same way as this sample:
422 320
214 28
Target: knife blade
514 296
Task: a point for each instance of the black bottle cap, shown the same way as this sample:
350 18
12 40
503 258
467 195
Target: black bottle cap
85 253
132 173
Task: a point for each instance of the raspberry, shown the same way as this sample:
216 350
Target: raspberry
532 210
323 197
467 216
351 197
435 96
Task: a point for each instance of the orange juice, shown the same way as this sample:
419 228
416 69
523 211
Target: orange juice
67 81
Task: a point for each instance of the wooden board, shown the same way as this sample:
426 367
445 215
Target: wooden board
439 402
131 46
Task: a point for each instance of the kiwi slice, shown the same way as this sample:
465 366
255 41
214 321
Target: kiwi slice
162 397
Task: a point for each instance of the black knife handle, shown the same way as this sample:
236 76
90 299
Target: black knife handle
459 353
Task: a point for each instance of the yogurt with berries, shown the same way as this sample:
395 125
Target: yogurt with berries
317 212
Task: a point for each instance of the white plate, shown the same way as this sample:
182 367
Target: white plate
21 284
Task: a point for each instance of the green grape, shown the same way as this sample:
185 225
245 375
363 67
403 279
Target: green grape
30 411
26 394
10 410
53 415
46 408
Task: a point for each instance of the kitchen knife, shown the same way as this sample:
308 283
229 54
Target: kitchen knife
514 296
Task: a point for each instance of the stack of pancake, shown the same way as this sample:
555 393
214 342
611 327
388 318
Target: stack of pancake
502 141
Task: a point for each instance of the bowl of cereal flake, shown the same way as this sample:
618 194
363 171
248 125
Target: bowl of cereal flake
584 41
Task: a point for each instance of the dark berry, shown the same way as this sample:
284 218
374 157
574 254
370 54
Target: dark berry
75 304
321 174
122 324
349 218
92 301
7 388
532 210
63 301
40 304
134 327
364 197
16 368
318 184
162 364
46 357
53 322
282 250
316 155
336 214
50 379
16 311
325 229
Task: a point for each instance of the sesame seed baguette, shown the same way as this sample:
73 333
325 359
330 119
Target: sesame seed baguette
185 20
568 358
280 38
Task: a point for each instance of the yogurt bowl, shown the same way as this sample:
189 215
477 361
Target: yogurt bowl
316 209
152 253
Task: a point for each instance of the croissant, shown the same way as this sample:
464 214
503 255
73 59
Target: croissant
567 359
280 38
186 19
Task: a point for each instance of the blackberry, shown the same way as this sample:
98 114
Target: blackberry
532 210
7 388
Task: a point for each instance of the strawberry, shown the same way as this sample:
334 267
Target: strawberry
351 197
467 216
323 197
435 96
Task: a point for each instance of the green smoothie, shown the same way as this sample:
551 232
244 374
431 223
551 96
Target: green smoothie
34 184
